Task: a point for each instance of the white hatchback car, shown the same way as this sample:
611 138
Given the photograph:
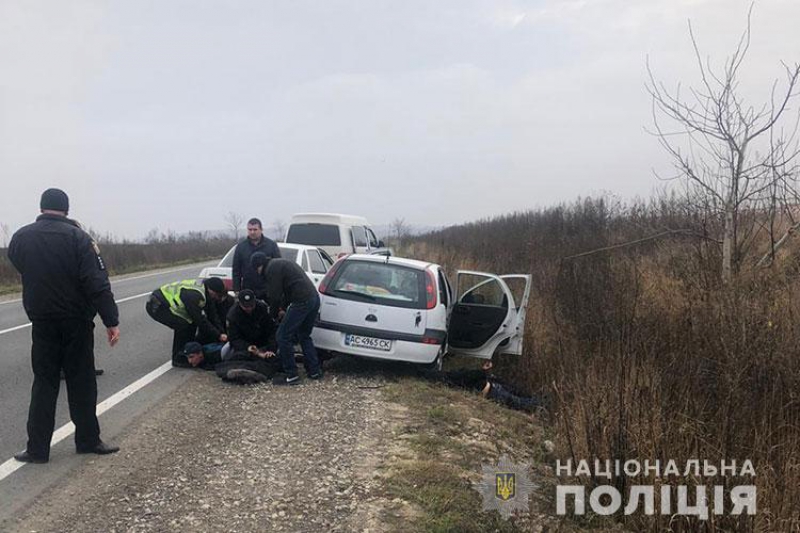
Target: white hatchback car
405 310
314 261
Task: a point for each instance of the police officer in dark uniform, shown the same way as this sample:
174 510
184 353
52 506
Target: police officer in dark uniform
64 285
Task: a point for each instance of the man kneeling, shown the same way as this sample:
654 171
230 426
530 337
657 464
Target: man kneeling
251 334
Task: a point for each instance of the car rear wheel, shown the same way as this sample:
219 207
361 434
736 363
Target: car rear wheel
437 363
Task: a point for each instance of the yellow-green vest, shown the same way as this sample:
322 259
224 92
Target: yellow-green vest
172 293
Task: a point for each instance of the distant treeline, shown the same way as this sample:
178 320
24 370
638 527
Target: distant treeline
123 257
645 352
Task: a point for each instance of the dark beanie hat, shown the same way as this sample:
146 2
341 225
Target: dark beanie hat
215 284
192 347
258 259
54 199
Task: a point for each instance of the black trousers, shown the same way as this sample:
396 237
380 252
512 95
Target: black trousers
67 345
183 331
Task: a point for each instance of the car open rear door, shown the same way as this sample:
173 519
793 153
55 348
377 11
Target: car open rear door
520 287
485 317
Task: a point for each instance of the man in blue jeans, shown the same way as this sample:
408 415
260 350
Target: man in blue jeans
288 288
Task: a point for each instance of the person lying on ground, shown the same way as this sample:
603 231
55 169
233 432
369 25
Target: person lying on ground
487 385
253 366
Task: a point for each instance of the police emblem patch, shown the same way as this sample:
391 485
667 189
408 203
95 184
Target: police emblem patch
505 487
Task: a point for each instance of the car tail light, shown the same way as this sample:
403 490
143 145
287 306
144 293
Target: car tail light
430 290
228 284
431 340
323 285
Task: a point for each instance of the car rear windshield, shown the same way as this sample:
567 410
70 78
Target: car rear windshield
315 234
381 283
227 261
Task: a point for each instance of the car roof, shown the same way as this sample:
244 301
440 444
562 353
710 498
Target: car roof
392 260
329 218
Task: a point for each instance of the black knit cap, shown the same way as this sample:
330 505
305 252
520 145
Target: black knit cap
258 259
54 199
215 284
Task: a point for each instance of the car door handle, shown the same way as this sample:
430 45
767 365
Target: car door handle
371 318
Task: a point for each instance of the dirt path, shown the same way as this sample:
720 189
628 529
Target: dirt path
217 457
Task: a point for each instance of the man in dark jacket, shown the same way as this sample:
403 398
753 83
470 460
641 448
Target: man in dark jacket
250 325
64 285
289 289
180 306
251 331
243 273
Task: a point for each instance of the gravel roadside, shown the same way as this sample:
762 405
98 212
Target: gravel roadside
219 457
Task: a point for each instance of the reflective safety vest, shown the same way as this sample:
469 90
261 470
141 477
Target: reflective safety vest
172 293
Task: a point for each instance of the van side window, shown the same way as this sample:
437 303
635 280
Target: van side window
360 236
373 240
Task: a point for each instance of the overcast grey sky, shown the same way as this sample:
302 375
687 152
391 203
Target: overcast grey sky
170 113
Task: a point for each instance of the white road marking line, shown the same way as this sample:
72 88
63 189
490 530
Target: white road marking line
12 465
127 279
15 328
121 301
129 298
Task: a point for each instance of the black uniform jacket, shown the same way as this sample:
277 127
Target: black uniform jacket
257 327
63 275
242 272
287 283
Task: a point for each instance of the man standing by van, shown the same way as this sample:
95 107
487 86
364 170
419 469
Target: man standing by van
243 273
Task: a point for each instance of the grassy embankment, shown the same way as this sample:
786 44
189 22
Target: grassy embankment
645 353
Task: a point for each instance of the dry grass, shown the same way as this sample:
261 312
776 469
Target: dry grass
646 354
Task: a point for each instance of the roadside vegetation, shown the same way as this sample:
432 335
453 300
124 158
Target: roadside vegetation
644 350
444 438
122 257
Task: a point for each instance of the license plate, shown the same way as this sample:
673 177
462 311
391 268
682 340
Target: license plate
370 343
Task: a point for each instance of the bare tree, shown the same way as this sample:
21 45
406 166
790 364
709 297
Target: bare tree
280 229
737 160
399 228
235 221
5 229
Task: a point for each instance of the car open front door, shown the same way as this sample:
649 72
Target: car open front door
485 317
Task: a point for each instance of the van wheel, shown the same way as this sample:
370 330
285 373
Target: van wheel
437 363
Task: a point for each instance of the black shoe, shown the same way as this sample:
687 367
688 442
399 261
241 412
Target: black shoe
245 376
101 448
316 375
25 457
286 380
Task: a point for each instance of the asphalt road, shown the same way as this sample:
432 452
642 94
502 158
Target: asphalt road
144 346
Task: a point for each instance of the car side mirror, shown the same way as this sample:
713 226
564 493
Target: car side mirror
381 245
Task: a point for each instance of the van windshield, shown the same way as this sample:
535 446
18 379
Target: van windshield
381 283
316 234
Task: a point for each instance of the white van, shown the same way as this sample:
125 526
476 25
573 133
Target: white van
337 234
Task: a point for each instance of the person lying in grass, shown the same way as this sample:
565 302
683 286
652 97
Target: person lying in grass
487 385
